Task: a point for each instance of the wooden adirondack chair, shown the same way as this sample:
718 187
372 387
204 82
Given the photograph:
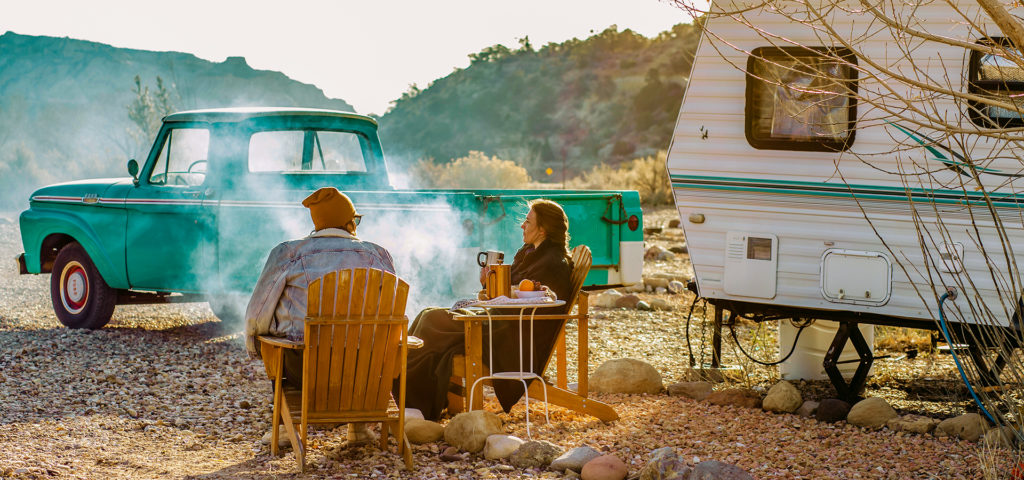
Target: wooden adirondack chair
356 340
463 374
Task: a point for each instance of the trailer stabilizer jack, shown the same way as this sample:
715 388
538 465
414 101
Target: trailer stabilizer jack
849 392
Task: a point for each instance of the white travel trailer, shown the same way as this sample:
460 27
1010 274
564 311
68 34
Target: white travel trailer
828 166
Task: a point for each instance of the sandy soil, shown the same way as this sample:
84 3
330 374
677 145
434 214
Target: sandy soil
168 392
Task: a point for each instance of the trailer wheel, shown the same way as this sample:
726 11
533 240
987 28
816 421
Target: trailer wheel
80 296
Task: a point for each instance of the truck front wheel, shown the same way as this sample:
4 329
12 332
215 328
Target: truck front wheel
80 296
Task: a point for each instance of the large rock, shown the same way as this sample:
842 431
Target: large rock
469 430
423 431
969 426
740 397
655 282
660 304
574 459
694 390
626 375
501 446
535 453
606 299
832 410
1002 437
715 470
665 464
783 397
912 423
675 286
605 467
627 301
871 413
808 408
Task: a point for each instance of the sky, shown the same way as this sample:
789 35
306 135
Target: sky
364 52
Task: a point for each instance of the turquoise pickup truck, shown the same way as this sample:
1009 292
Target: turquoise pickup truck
222 187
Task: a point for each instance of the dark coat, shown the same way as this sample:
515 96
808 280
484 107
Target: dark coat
429 368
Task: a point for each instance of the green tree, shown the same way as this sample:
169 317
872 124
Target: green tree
147 110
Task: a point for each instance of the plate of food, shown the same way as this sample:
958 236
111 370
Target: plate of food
529 289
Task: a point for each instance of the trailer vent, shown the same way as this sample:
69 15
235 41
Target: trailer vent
751 264
856 277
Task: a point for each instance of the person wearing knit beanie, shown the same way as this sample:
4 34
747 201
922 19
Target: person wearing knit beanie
332 209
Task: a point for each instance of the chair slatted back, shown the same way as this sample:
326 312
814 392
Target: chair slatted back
581 262
355 328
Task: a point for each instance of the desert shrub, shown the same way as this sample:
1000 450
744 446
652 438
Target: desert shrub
476 170
646 175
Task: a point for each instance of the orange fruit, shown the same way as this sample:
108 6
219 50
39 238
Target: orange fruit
526 286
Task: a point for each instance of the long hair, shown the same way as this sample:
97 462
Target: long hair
555 223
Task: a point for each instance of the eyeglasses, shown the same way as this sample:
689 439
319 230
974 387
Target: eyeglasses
356 219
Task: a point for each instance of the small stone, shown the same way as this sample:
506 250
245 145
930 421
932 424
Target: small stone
673 223
656 282
694 390
469 430
282 437
451 454
660 304
783 397
675 287
871 413
535 454
715 470
1002 437
423 431
807 408
605 467
500 446
740 397
680 249
626 375
832 410
627 301
643 306
574 459
665 464
969 426
244 404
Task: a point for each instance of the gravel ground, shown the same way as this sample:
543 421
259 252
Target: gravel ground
164 391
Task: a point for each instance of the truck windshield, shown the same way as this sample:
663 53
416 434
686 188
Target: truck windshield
306 151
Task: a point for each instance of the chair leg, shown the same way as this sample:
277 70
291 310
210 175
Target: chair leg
276 422
406 452
384 435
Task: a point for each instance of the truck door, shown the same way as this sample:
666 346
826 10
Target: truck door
168 233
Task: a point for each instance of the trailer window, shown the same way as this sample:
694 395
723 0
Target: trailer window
995 76
801 99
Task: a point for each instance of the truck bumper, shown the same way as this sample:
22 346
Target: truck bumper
22 268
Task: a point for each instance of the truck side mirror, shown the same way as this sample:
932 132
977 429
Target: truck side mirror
133 170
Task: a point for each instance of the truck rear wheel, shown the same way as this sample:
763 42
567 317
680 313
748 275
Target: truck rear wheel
80 296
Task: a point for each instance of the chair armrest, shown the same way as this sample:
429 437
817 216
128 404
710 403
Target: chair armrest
414 342
280 342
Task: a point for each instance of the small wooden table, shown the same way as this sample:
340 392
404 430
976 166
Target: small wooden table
472 367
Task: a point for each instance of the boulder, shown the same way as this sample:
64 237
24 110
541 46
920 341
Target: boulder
807 408
740 397
715 470
1002 437
832 410
606 299
871 413
423 431
626 375
694 390
783 397
605 467
665 464
660 304
574 459
501 446
469 430
654 252
912 424
969 426
656 281
627 301
675 286
535 454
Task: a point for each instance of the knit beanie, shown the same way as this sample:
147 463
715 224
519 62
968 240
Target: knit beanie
329 208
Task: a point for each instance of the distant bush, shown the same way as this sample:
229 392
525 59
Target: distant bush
646 175
476 170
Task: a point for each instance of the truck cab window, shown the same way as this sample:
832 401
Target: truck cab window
1000 78
800 100
182 158
306 151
